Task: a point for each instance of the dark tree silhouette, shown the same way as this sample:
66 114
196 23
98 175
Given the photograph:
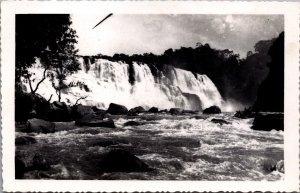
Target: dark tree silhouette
271 91
41 36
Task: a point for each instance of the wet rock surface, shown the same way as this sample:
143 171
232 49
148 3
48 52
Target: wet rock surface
119 160
220 121
39 126
137 110
116 109
59 112
268 121
29 105
212 110
134 123
153 110
99 111
94 120
80 111
176 111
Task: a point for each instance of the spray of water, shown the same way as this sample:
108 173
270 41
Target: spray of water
107 82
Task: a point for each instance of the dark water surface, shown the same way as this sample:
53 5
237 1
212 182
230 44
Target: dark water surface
178 147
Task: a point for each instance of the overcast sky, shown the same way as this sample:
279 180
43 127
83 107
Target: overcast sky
136 34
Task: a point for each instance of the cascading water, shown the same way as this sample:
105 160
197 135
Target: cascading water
108 82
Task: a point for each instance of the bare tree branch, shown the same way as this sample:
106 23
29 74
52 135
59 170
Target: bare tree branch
38 84
50 98
79 100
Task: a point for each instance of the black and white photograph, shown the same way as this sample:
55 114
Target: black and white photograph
120 96
149 97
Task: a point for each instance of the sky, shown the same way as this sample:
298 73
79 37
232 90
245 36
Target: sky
138 34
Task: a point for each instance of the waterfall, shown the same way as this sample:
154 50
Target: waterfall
108 82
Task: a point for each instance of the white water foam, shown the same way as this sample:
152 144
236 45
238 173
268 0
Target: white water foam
109 82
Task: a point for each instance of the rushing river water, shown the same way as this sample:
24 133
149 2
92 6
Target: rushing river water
178 148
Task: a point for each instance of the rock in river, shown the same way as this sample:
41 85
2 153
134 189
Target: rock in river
29 105
138 109
39 126
116 109
59 112
153 110
119 160
95 121
212 110
176 111
220 121
80 111
134 123
267 122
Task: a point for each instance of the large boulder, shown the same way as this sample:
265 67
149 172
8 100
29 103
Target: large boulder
212 110
134 123
41 106
98 111
28 105
268 121
116 109
79 111
94 120
119 160
59 112
24 140
153 110
39 126
137 110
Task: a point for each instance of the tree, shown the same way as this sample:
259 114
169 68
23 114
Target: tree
63 60
40 36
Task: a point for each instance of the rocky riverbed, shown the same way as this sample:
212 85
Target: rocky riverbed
152 146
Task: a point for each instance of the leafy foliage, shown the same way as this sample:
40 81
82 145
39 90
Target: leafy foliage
50 38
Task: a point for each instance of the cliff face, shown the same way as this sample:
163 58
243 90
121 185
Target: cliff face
271 92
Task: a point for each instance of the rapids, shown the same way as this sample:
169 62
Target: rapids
178 148
104 82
